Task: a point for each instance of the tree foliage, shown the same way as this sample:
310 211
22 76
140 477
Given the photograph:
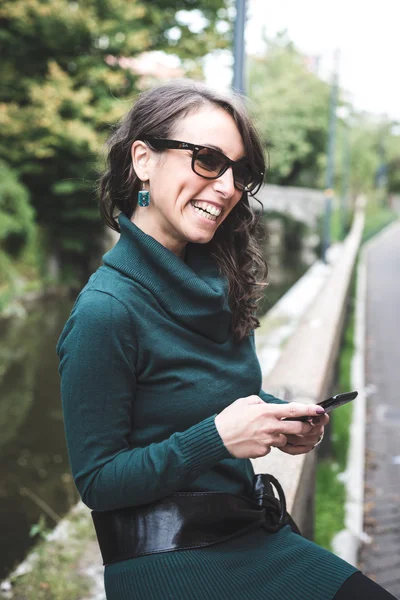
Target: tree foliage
61 92
392 146
65 83
291 105
16 213
375 152
16 220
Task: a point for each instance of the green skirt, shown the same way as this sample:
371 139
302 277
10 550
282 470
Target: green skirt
253 566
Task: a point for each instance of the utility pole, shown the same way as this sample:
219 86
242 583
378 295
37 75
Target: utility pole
344 205
381 176
238 47
329 189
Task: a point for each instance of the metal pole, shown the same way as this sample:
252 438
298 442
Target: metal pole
329 191
381 176
344 205
238 47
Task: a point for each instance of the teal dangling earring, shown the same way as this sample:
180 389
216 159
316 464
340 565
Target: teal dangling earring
143 197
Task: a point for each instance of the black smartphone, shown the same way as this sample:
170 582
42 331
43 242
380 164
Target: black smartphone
330 403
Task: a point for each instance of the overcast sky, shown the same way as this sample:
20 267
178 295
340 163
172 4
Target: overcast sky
366 32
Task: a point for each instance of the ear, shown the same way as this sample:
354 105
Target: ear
141 156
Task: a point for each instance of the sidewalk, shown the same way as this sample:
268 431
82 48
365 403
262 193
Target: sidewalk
380 559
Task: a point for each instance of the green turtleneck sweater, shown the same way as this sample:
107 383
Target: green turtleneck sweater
147 360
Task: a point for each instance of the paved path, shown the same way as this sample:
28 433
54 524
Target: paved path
381 559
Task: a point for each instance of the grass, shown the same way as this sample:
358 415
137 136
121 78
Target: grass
376 218
330 491
55 575
329 504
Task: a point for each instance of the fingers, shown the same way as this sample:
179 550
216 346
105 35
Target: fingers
323 420
278 440
295 450
292 410
297 440
295 427
316 432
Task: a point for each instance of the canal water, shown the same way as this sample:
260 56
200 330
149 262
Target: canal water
35 481
34 474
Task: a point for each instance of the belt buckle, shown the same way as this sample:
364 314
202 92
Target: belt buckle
274 508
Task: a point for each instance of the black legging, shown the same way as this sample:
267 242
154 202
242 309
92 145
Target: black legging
360 587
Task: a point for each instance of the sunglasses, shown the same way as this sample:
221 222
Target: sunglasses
211 164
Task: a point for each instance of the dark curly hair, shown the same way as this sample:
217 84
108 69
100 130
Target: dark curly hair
235 246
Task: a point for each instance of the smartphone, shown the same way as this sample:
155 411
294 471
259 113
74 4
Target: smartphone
329 404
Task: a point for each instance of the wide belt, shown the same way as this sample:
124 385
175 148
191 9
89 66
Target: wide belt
189 520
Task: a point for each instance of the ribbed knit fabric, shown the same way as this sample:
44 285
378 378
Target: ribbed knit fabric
256 566
147 360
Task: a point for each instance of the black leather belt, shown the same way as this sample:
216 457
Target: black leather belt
188 520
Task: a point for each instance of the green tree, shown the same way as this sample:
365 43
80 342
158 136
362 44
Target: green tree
16 222
393 158
364 154
374 143
62 88
291 106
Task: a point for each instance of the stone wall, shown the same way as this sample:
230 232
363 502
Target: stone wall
303 204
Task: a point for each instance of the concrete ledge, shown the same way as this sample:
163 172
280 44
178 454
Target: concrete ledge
306 368
284 317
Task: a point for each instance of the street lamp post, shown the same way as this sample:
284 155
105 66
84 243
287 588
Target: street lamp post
238 47
344 205
329 191
381 176
344 114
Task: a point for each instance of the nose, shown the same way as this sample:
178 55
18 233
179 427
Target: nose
225 184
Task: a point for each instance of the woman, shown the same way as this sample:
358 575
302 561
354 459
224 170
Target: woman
160 380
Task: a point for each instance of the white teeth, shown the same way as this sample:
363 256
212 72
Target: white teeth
213 210
205 215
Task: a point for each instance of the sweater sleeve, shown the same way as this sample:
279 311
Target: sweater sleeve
98 384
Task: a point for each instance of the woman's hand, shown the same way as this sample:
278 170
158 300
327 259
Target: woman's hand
301 444
249 426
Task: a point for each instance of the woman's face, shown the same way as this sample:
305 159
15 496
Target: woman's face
175 190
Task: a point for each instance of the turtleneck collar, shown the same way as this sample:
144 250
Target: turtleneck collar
192 292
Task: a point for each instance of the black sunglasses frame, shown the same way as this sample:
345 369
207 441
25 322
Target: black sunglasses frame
163 144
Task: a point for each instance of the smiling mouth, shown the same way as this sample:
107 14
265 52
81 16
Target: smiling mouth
206 210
